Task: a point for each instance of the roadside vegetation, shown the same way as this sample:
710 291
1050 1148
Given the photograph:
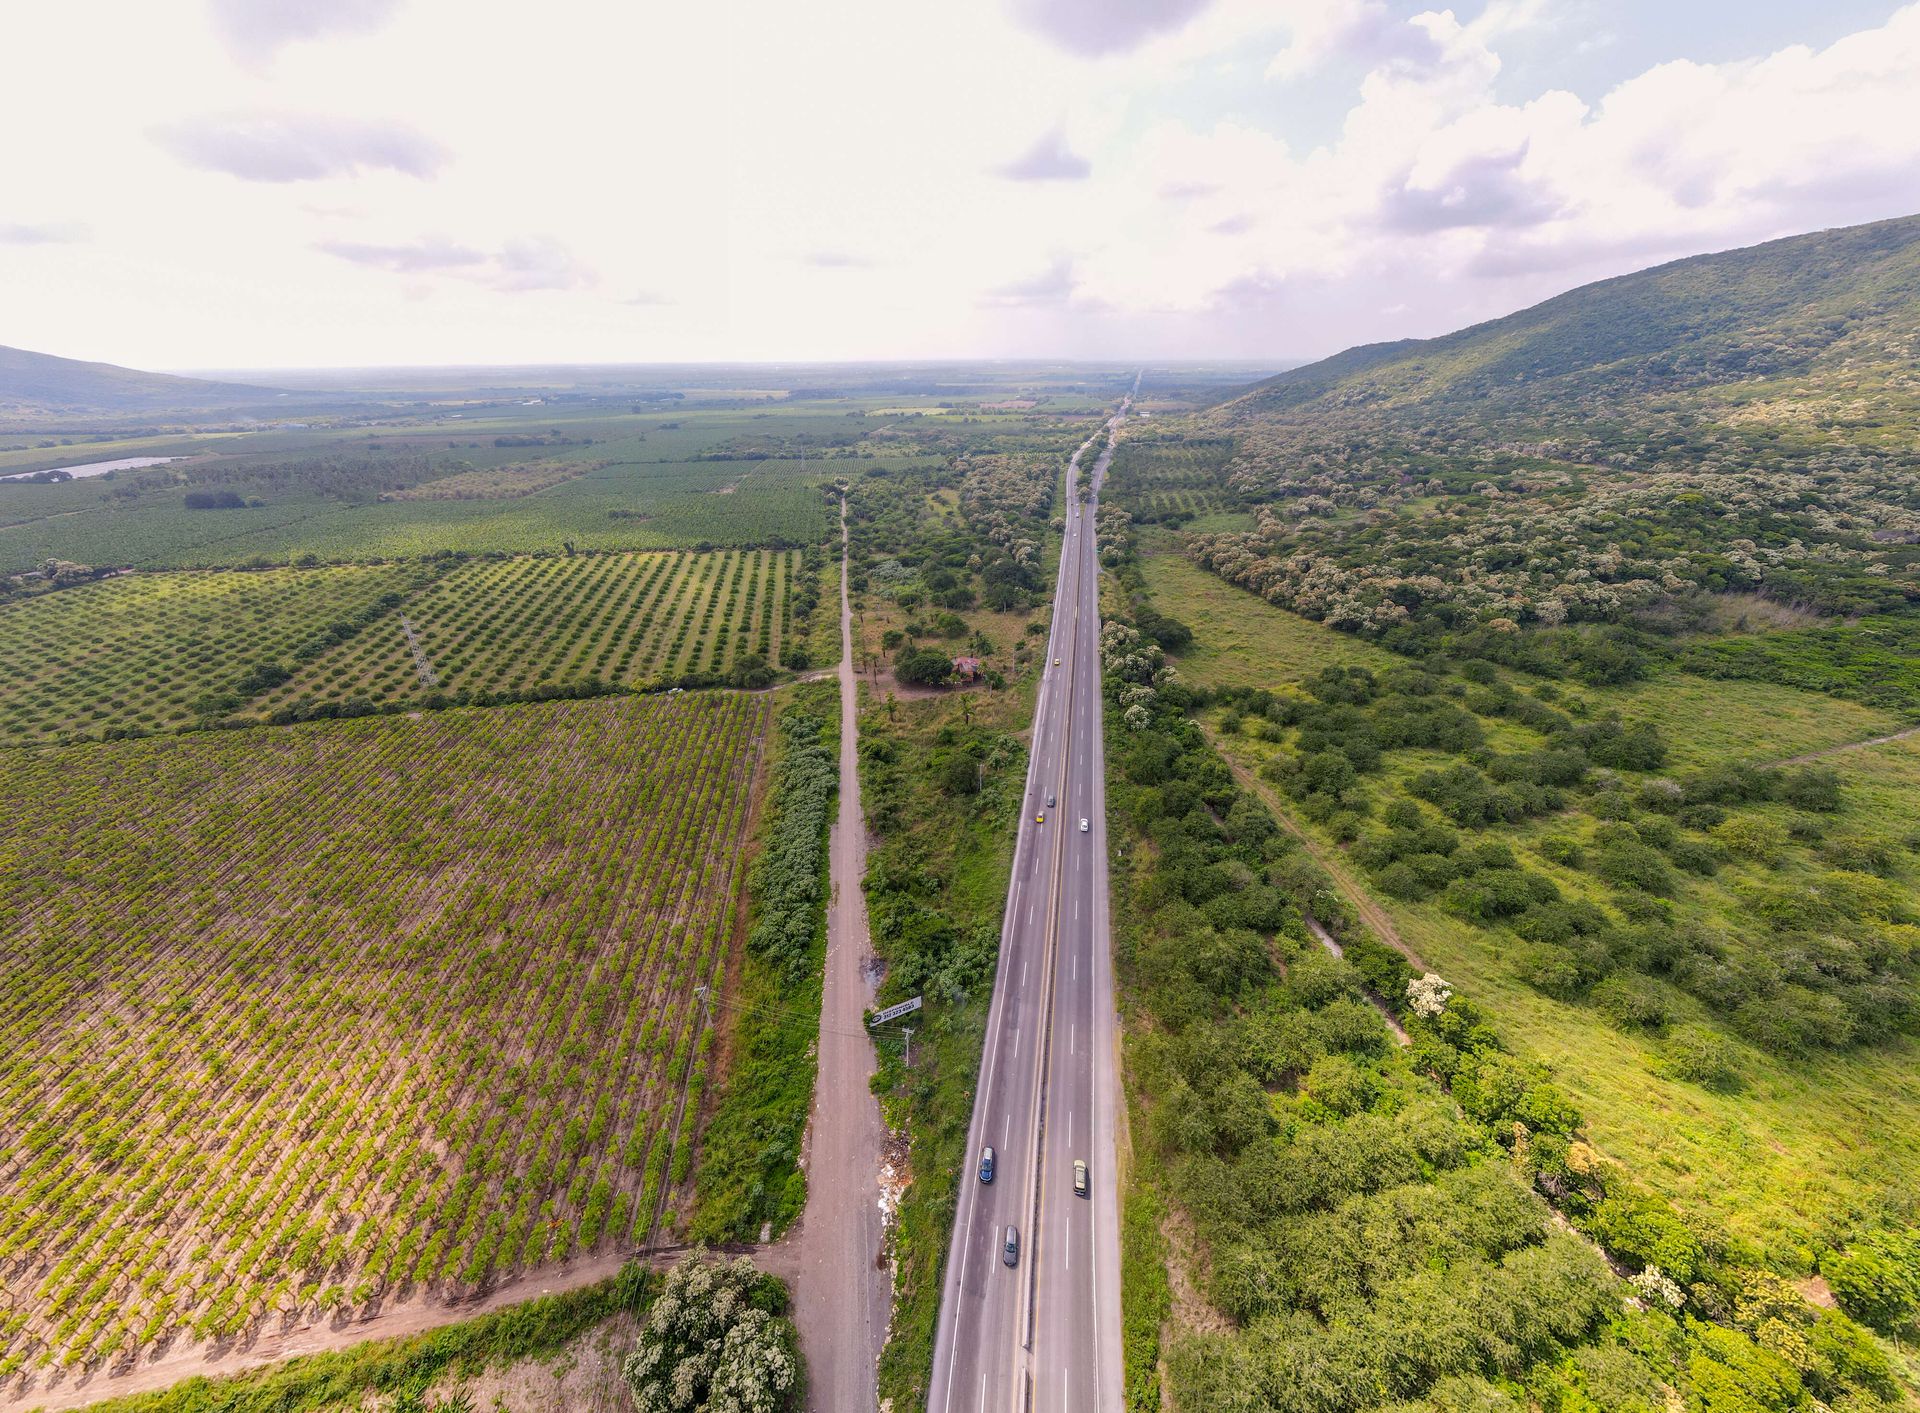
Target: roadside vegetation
1570 645
1752 1145
1346 1222
717 1338
961 557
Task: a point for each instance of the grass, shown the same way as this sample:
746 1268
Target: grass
1712 723
1804 1150
146 651
1873 660
297 1019
1240 641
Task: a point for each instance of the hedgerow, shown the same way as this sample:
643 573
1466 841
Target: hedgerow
750 1150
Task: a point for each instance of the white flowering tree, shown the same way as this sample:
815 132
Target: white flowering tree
1656 1288
711 1345
1428 995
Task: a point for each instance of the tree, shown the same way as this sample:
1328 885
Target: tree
923 667
751 671
715 1342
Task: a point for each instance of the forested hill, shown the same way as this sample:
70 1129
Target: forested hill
1839 307
40 381
1628 454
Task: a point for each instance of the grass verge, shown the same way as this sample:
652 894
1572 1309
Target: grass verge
401 1371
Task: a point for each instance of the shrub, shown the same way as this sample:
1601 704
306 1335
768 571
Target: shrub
1631 1001
1751 837
1877 1281
1340 1084
923 667
1699 1055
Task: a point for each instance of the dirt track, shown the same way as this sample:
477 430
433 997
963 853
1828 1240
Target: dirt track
1848 746
184 1360
842 1287
1343 878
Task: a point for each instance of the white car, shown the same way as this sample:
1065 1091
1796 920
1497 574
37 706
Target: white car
1083 826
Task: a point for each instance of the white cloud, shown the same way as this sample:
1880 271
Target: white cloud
297 147
540 263
406 257
838 260
1048 160
1104 26
1053 285
256 29
1363 31
43 233
835 181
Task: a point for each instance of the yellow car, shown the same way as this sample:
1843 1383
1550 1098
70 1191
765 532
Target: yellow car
1056 662
1040 819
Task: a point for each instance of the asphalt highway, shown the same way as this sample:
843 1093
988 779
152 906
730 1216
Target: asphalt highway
1044 1333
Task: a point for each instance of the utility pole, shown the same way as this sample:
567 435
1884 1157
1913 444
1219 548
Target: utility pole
908 1032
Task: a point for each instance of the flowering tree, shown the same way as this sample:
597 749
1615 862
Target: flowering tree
1428 995
1656 1288
714 1343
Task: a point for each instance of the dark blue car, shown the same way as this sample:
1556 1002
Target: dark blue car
986 1165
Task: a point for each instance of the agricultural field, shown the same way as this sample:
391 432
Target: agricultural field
297 1019
632 505
516 626
1168 482
597 480
151 651
619 506
499 483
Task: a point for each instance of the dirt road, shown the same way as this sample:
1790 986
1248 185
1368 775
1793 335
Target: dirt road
842 1289
184 1360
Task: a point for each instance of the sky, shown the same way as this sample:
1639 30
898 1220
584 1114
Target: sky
323 183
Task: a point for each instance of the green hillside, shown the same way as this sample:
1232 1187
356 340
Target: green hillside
1817 305
30 381
1722 440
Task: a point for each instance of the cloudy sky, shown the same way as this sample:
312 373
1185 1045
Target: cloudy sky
261 183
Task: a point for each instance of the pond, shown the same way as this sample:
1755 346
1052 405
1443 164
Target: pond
98 468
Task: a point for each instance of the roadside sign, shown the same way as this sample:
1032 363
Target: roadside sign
895 1012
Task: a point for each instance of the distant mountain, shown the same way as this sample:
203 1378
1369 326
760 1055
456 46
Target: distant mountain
1833 312
41 382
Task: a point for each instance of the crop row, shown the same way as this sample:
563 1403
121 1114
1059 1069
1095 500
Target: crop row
291 1021
147 651
518 625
